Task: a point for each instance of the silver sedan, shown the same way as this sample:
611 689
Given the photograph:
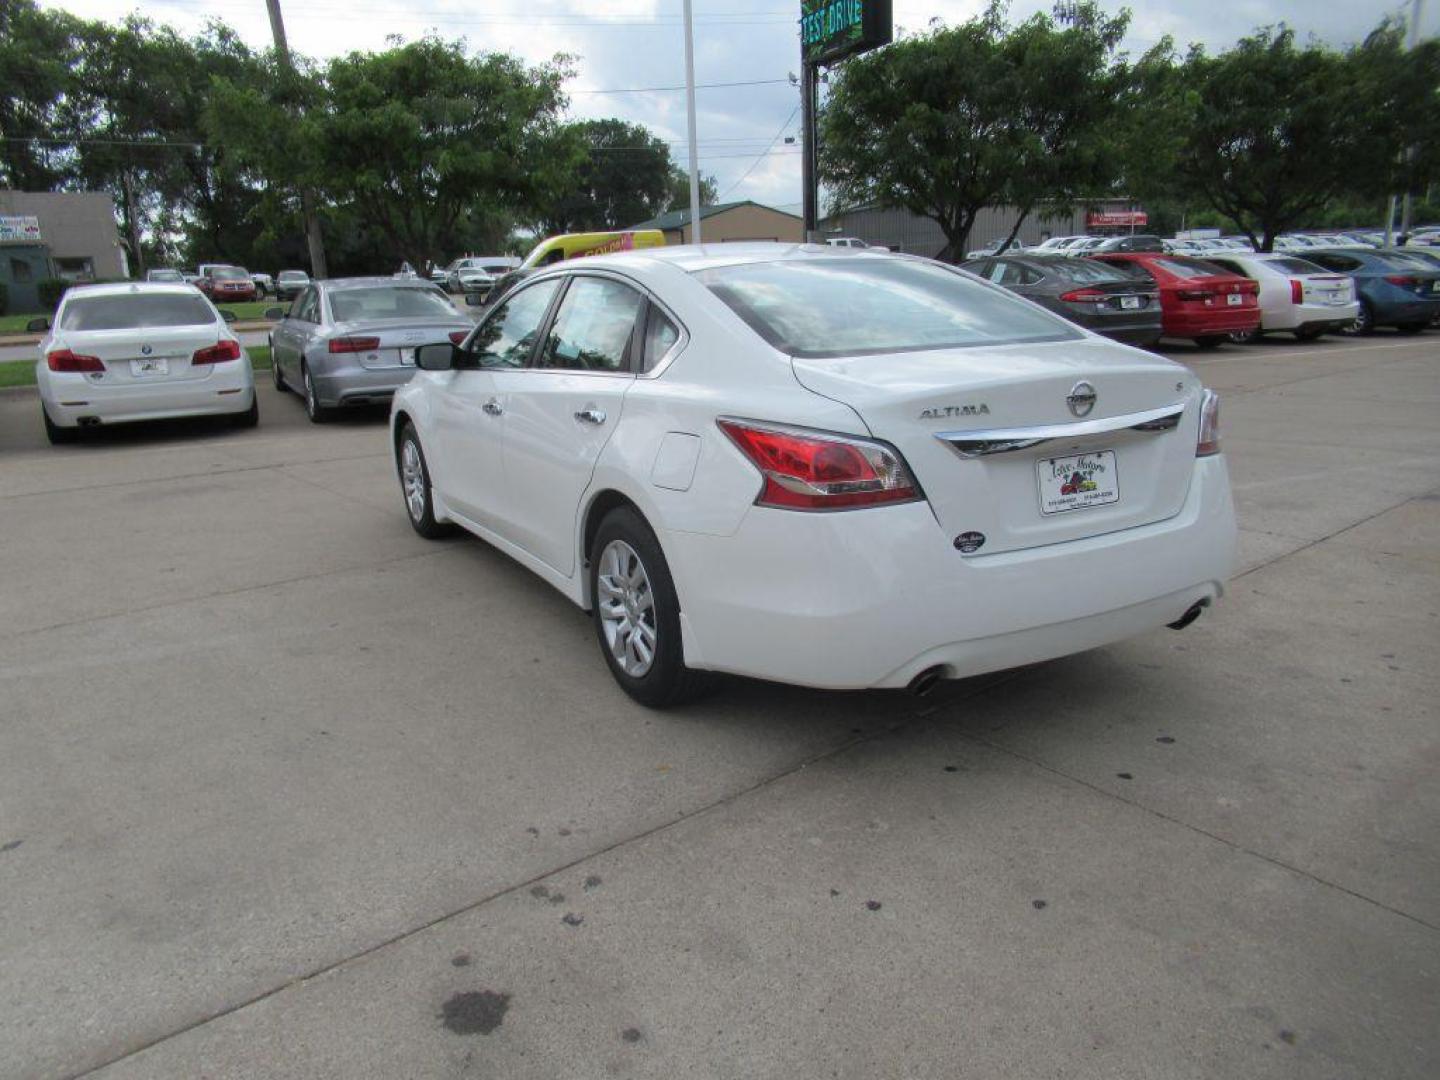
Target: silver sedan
352 341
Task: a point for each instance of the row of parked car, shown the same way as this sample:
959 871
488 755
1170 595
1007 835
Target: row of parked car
1141 296
235 284
1289 243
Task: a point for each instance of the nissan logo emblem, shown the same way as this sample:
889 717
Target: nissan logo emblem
1081 399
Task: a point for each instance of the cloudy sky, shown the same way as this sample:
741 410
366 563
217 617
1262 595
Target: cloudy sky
635 45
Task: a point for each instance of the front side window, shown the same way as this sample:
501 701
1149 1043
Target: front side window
592 329
507 337
136 311
824 307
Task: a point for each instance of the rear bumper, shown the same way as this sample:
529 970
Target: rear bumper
1310 316
356 385
872 598
1211 323
70 399
1147 334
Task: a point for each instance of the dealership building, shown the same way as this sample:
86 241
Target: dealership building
56 234
901 230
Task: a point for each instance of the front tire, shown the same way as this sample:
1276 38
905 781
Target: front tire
637 613
317 413
415 486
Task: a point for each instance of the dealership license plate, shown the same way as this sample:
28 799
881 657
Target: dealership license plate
1130 303
1235 299
1077 482
148 366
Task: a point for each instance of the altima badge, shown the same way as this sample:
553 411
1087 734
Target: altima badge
1081 399
941 411
970 542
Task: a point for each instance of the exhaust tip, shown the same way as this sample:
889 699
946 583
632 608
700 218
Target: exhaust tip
923 683
1190 615
88 421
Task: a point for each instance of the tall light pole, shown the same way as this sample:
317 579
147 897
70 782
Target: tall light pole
689 122
313 240
1412 38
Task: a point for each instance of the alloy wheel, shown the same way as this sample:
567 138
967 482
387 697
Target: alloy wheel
412 479
627 608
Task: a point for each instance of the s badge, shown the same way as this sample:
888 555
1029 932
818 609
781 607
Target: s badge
970 542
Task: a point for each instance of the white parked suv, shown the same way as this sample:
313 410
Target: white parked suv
144 351
840 469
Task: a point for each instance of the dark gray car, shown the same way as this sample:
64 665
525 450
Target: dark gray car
352 341
1094 295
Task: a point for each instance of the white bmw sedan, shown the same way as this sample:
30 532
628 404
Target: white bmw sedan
146 351
834 468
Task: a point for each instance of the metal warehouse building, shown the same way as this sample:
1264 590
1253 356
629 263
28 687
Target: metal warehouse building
59 234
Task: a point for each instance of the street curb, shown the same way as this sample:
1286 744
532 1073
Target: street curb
19 391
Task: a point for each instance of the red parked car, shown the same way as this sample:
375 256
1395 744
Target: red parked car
222 283
1198 299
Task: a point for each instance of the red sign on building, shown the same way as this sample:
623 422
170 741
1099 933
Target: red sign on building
1099 219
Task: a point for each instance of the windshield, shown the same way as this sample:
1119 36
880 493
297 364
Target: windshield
390 302
131 311
851 307
293 275
229 273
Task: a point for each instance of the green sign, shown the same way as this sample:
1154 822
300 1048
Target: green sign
831 30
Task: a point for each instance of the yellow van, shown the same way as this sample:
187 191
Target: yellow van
577 245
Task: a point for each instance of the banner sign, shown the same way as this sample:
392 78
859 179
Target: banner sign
20 228
831 30
1102 218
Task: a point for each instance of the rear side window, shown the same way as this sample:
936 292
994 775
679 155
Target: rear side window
660 337
390 302
821 307
592 329
135 311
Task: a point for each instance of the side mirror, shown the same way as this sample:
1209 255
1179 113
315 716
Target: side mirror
273 313
435 357
227 314
37 326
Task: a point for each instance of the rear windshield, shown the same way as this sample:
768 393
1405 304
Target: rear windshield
166 275
852 307
1086 271
1189 268
390 302
1295 266
1396 260
228 273
135 311
293 275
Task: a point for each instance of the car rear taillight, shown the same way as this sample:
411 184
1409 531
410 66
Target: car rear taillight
1083 296
1209 441
65 360
219 353
457 337
353 344
811 470
1297 291
1401 279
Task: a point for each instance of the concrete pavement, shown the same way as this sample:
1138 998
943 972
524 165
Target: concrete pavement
286 791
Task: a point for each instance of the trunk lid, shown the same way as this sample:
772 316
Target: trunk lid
157 355
1326 289
908 399
399 338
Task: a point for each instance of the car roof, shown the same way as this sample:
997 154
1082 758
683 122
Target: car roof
334 284
126 288
694 258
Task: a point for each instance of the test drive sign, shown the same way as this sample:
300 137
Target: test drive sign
831 30
1097 219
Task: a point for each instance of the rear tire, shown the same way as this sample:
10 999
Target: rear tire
58 435
317 413
1246 337
275 375
1211 341
1364 322
415 486
637 614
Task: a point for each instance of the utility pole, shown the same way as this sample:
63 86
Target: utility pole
690 124
1412 38
809 159
313 240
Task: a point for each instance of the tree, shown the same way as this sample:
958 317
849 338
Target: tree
948 123
37 52
678 195
624 178
1269 134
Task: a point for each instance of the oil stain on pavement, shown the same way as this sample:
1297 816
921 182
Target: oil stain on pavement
477 1012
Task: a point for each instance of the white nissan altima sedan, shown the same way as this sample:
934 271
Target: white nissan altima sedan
143 351
835 468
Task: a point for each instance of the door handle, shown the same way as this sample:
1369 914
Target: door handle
493 407
591 415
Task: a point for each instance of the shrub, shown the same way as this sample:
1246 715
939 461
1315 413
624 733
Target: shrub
50 290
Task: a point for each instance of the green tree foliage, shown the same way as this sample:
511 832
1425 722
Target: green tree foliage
623 178
37 52
678 190
1271 134
950 122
